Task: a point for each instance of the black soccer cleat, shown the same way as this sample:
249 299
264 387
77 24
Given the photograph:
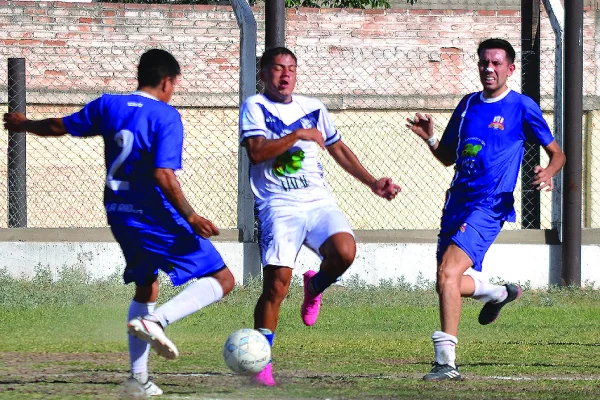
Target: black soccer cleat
491 311
444 372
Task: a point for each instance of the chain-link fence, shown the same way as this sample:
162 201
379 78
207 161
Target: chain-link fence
65 176
370 91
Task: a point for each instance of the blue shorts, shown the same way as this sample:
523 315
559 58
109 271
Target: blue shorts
182 257
473 232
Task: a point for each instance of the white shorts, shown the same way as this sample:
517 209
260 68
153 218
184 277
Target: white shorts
283 231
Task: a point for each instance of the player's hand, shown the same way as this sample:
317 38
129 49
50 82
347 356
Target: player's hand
14 121
202 226
385 188
542 180
422 125
311 134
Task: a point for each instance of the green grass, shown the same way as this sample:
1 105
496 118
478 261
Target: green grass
66 339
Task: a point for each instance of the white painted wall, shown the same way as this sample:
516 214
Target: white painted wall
525 263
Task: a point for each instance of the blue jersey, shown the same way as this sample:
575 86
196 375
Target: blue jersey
141 133
489 138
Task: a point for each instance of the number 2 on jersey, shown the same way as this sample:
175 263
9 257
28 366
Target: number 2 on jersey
124 140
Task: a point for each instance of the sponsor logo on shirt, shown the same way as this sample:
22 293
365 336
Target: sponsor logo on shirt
134 104
497 123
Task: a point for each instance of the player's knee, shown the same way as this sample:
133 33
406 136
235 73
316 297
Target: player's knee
227 281
344 255
276 291
447 275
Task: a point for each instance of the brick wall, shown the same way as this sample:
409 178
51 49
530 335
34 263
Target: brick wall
83 48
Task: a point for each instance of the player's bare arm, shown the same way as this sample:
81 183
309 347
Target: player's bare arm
167 181
18 122
345 157
542 179
422 125
261 149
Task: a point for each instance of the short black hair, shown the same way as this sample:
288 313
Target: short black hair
156 64
496 43
269 55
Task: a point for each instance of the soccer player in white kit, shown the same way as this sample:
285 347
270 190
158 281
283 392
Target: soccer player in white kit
283 133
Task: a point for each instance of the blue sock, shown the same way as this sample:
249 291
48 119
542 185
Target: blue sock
270 335
320 282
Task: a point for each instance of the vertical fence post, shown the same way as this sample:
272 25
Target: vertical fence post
274 23
530 84
245 209
17 146
556 14
571 265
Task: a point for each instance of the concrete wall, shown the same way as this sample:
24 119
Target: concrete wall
529 257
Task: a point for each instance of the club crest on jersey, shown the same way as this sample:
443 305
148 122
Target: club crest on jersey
497 123
463 227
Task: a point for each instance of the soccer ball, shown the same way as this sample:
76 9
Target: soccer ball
247 351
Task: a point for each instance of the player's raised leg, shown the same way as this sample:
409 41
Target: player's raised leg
338 253
194 297
276 283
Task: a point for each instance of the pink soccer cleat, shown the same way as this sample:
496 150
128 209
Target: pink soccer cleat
265 377
311 304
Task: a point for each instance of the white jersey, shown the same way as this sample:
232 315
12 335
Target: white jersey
295 176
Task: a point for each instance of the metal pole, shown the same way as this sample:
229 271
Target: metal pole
17 147
274 23
245 208
530 85
571 265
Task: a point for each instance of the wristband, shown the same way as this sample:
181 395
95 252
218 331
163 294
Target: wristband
431 141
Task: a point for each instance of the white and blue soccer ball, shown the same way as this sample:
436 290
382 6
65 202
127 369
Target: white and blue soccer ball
247 351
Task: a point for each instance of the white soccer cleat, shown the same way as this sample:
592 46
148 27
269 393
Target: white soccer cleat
132 389
153 333
152 389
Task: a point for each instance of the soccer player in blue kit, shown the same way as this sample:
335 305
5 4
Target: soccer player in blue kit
485 140
148 214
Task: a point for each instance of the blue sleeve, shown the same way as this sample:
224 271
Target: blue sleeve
449 139
535 126
169 142
87 121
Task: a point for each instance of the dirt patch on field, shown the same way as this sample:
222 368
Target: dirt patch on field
100 375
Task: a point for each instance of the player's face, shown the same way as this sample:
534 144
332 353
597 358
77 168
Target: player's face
280 78
494 70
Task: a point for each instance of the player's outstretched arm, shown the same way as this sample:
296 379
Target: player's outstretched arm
18 122
383 187
542 178
167 181
261 149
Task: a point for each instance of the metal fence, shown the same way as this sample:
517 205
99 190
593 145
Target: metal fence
369 91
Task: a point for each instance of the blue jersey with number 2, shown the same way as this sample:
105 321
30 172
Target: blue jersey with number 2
141 133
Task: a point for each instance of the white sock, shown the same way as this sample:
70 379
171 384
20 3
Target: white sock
199 294
139 349
485 291
445 348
